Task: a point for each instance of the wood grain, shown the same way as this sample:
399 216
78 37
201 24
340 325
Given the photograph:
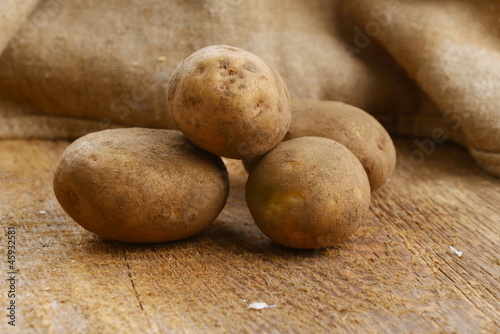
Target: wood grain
395 275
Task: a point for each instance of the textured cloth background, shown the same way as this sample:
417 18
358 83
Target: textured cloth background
423 68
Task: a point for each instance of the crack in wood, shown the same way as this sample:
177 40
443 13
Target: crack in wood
129 271
464 293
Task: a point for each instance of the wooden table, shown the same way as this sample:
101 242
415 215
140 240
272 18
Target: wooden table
396 274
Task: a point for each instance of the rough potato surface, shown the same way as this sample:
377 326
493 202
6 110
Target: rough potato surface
357 130
229 102
140 185
308 193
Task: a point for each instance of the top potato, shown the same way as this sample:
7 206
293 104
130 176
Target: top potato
229 102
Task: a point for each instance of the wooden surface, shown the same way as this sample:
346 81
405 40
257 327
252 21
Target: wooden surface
396 274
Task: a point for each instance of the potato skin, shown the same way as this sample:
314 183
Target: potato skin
229 102
308 193
140 185
352 127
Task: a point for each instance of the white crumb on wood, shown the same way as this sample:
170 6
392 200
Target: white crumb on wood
454 250
260 306
42 212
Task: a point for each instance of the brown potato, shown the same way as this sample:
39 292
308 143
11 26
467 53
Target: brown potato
140 185
357 130
352 127
229 102
308 192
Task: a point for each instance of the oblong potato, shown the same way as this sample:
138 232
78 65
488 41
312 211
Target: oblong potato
352 127
308 192
140 185
229 102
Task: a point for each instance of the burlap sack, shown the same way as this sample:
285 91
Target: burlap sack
72 67
452 50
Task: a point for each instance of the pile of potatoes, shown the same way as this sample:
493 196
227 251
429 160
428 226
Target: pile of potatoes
311 167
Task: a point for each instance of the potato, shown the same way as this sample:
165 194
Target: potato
229 102
308 193
140 185
352 127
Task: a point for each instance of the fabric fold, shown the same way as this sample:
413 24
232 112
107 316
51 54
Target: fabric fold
13 15
452 50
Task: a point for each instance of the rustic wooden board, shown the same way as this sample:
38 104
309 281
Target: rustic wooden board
396 274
